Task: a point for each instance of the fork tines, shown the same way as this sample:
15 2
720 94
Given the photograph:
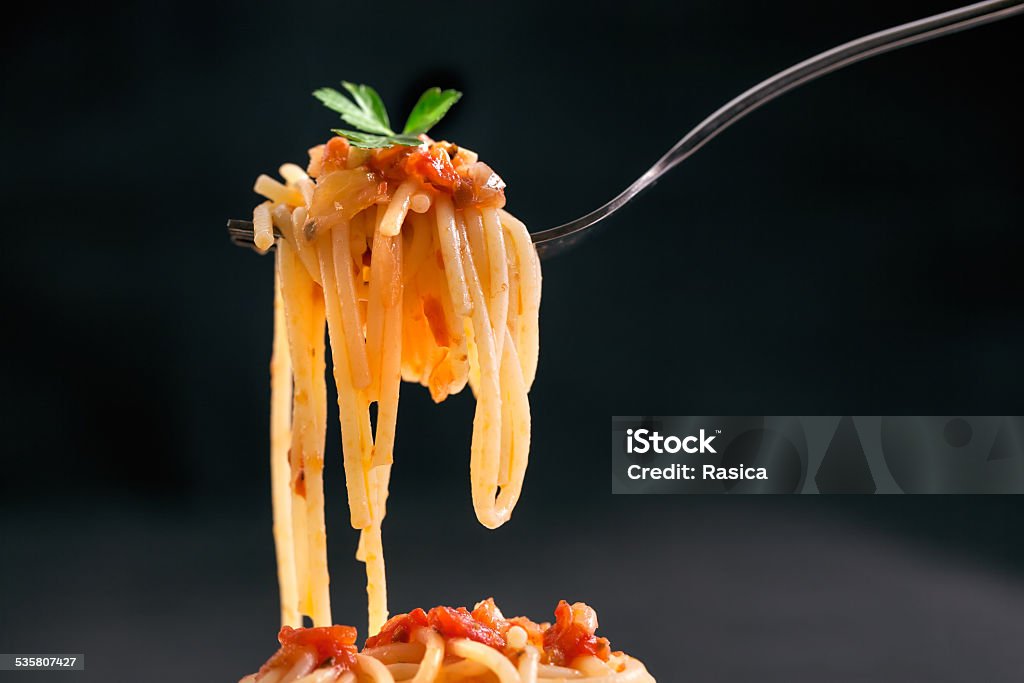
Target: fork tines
241 234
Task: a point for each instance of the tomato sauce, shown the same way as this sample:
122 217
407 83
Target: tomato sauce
449 622
569 638
334 645
438 166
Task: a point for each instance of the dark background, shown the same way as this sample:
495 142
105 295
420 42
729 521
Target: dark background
853 248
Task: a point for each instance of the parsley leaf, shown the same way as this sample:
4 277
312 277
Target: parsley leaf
369 100
361 115
365 111
366 140
410 140
431 108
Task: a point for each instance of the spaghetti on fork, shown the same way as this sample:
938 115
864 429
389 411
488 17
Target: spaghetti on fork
406 254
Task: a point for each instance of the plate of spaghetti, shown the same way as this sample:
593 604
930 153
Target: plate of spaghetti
446 644
399 247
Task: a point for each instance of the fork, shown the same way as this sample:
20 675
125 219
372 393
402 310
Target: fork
555 240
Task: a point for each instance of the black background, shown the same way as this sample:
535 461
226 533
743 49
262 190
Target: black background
853 248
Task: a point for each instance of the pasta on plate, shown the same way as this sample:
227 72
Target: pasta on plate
455 645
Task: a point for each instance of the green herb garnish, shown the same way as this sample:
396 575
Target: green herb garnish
366 112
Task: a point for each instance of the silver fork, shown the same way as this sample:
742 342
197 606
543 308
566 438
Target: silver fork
555 240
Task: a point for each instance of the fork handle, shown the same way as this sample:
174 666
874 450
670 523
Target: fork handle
555 239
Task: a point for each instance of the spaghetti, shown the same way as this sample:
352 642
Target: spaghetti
408 258
454 645
400 246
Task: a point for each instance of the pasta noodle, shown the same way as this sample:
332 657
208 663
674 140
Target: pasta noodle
280 469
